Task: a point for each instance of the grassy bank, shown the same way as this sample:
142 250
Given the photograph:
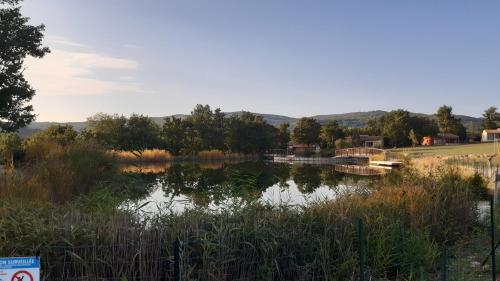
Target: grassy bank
449 150
407 218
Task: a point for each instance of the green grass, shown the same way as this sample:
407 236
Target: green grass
450 150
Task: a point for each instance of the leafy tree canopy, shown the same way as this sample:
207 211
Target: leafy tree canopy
307 131
18 39
491 118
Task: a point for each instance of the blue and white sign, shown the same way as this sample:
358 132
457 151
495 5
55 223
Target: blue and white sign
20 269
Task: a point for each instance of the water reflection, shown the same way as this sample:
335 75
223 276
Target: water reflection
215 185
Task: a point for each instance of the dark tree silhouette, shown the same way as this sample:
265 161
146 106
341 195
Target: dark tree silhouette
18 40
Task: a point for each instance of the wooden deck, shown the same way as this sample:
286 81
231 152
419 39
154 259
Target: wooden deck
321 160
386 163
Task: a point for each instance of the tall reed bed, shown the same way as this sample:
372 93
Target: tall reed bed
51 172
407 217
142 156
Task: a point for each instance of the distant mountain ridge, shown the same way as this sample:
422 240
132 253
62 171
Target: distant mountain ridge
350 119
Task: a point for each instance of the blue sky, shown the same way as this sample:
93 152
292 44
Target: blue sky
296 58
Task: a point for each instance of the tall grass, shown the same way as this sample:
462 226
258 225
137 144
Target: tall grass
57 173
142 156
406 217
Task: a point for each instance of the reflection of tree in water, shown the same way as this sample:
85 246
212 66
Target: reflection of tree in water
307 177
201 185
243 180
247 181
330 177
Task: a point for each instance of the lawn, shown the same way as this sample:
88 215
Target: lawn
450 150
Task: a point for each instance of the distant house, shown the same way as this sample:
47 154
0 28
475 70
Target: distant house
302 148
490 135
368 141
441 139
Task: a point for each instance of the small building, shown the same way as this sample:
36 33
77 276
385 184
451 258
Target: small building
490 135
303 149
366 141
440 139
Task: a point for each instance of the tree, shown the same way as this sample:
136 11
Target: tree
109 130
143 133
173 134
18 40
62 134
204 129
331 132
283 135
9 144
448 123
307 131
491 118
395 126
413 138
249 133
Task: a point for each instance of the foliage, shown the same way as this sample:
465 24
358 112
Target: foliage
330 133
491 118
283 135
9 142
143 133
61 134
173 134
396 126
448 123
413 138
56 173
249 133
307 131
18 40
108 130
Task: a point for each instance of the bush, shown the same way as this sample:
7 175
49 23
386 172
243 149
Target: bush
57 173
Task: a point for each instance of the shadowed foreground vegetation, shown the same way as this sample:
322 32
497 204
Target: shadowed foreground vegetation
407 217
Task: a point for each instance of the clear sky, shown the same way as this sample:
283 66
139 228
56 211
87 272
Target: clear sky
290 57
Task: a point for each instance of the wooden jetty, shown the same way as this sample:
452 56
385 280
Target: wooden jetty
321 160
388 163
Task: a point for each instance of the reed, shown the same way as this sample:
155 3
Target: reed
142 156
406 217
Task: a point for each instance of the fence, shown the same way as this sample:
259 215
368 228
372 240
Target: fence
483 168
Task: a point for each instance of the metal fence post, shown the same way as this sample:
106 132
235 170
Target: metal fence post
492 226
444 266
177 260
361 250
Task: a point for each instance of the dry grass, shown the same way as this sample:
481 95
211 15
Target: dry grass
218 154
143 156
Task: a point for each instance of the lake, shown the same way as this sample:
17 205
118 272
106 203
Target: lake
215 185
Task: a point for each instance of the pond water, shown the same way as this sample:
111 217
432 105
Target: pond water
213 186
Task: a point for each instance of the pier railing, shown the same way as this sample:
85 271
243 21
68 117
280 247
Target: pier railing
359 151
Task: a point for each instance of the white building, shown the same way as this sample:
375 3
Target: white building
490 135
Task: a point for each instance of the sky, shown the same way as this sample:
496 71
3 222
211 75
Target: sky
288 57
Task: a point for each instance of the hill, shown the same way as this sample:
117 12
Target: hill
351 119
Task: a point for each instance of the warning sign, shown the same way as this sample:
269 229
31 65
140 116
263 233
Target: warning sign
20 269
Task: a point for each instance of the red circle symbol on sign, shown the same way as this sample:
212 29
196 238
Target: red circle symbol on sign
20 276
